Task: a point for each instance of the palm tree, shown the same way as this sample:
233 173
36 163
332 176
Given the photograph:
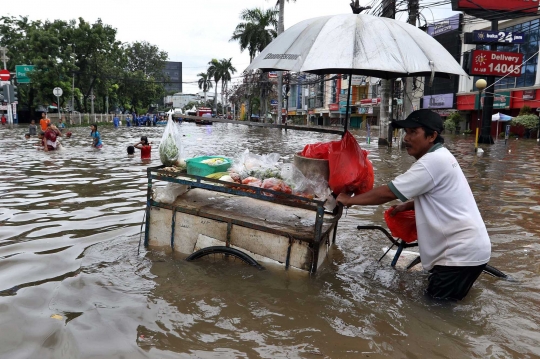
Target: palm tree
205 83
214 71
256 31
227 69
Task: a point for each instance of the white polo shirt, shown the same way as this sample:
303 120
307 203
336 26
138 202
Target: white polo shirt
451 231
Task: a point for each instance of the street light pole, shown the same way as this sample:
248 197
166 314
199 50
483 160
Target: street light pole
480 85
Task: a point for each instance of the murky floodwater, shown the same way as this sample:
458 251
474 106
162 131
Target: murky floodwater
69 231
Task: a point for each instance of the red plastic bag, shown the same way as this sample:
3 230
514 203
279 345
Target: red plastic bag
350 169
318 150
402 225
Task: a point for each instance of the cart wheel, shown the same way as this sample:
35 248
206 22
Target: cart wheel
225 251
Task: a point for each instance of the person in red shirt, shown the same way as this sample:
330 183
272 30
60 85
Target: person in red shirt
145 148
4 119
50 141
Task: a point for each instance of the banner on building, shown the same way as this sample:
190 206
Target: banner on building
529 94
438 101
501 100
444 26
495 63
358 80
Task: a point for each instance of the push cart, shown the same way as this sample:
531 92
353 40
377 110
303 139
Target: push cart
250 223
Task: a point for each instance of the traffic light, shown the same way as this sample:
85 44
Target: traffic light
10 93
1 93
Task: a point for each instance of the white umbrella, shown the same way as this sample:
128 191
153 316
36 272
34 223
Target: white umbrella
500 117
359 45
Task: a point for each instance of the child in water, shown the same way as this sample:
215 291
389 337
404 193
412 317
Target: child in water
96 137
131 151
145 148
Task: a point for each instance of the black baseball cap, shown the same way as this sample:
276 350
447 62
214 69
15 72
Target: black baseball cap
421 118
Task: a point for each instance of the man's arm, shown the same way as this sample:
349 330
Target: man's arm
377 195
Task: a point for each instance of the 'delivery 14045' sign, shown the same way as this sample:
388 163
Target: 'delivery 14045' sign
496 63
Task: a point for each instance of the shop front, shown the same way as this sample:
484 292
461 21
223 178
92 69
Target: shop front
505 102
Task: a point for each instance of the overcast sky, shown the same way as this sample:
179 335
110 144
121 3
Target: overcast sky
190 31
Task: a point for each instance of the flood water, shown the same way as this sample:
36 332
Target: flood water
70 227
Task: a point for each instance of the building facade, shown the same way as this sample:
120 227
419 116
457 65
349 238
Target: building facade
511 93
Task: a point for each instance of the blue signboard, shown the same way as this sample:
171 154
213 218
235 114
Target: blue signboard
500 37
273 102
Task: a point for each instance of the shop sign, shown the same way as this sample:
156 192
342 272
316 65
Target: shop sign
311 112
292 113
358 80
529 94
370 102
343 107
439 101
364 110
501 100
496 63
443 26
502 37
333 107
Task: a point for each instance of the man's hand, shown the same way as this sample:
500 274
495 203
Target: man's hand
407 206
343 199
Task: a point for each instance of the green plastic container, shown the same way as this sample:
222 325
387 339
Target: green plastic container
196 168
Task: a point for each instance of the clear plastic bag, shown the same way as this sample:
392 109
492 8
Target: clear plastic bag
170 147
249 164
169 193
301 185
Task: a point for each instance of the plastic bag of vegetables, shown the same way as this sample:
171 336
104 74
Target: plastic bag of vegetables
170 148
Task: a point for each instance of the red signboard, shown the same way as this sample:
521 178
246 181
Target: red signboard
496 63
4 75
529 6
496 9
333 107
370 101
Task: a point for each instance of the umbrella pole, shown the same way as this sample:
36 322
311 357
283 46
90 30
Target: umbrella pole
348 111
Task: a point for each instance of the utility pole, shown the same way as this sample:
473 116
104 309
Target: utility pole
485 135
408 81
385 136
73 93
92 98
281 28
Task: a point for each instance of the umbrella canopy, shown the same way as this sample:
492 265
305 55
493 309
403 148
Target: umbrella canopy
501 117
360 45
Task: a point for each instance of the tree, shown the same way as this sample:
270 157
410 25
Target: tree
529 121
88 53
204 82
214 71
256 31
227 70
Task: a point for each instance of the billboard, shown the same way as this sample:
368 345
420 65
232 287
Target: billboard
496 63
496 10
501 100
443 26
439 101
